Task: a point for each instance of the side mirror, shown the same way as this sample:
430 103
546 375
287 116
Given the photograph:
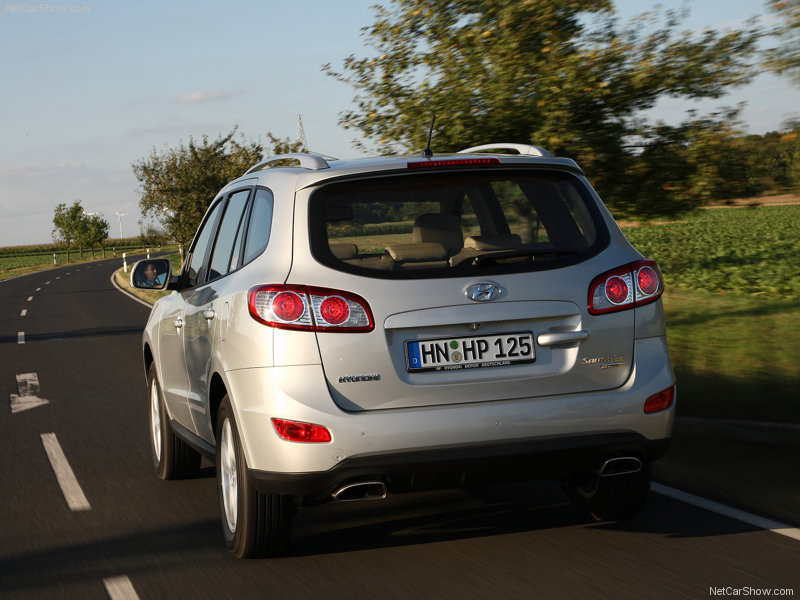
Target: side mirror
151 274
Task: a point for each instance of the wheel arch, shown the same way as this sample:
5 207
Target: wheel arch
148 358
216 392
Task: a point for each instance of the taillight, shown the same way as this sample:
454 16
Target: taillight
295 431
309 308
635 284
660 401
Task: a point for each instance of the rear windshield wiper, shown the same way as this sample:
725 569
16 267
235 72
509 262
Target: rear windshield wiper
484 259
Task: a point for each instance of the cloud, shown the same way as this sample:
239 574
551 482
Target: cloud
203 97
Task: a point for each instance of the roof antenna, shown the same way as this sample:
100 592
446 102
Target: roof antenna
428 153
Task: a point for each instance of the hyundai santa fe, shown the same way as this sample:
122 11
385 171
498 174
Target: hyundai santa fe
343 330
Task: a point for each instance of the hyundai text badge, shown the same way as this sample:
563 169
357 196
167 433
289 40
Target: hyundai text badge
483 292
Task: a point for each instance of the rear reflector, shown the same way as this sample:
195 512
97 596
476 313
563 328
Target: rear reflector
453 162
295 431
660 401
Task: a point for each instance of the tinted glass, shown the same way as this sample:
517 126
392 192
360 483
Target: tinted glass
455 224
228 234
202 240
259 226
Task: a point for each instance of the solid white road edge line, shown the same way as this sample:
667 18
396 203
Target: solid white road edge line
127 293
120 588
728 511
66 478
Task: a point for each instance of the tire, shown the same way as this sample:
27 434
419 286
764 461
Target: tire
611 498
172 457
254 523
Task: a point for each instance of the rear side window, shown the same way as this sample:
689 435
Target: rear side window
442 225
259 225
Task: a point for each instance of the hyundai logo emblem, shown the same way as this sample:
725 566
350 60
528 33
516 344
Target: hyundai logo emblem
483 292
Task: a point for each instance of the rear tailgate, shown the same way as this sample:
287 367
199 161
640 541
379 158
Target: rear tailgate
524 345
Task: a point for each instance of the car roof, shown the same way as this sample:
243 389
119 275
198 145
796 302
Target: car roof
309 168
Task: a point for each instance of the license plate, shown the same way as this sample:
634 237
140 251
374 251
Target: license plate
474 352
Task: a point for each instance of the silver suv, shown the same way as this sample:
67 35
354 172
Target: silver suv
341 330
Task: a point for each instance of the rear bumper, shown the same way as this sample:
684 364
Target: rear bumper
538 436
477 464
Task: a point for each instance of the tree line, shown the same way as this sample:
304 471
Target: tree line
563 74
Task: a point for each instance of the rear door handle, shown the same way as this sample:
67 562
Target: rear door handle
552 339
178 323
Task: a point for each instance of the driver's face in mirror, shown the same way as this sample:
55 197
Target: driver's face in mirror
151 274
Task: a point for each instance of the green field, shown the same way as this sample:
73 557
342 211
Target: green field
742 250
732 307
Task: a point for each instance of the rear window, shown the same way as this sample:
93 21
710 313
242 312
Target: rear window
454 224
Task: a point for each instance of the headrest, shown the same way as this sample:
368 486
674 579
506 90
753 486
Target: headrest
439 228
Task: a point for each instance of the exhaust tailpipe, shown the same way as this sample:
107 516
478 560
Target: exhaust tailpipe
362 490
623 465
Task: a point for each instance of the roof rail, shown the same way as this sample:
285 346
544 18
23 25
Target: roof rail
525 149
309 161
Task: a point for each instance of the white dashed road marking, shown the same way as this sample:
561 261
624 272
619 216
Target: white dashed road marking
72 491
119 588
728 511
31 297
23 312
20 337
38 290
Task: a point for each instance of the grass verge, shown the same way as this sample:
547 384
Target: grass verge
737 436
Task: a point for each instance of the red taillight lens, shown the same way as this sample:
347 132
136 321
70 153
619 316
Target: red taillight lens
295 431
647 279
660 401
310 309
288 306
616 290
631 285
334 310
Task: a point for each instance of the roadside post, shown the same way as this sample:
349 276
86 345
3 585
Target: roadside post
125 262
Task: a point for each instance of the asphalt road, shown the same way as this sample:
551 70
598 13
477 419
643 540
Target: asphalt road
132 535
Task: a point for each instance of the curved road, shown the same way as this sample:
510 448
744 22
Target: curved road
110 528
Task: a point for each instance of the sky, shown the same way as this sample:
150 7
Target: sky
88 87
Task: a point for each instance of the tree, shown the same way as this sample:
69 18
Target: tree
285 145
557 73
96 232
151 235
178 185
785 57
68 224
